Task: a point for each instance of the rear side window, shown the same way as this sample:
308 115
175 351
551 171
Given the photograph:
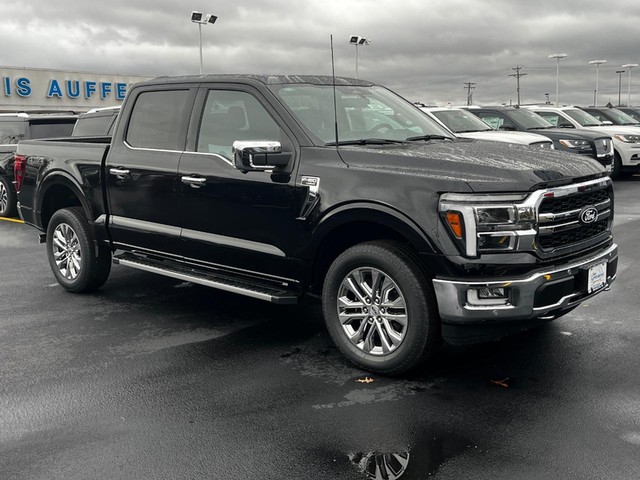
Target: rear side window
157 120
51 128
12 132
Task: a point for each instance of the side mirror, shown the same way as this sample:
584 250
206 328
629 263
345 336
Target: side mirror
507 128
607 122
566 125
258 155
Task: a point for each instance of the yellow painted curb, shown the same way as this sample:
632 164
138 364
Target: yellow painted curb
14 220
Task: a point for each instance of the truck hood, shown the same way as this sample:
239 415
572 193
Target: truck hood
572 133
523 138
619 129
483 166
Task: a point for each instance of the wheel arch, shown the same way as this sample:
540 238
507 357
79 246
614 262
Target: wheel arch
356 223
59 190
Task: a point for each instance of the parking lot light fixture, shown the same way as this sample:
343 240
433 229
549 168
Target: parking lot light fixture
557 56
358 41
629 66
202 19
597 63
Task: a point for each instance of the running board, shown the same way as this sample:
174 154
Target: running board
261 292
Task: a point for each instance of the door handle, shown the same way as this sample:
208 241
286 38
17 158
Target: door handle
119 172
194 182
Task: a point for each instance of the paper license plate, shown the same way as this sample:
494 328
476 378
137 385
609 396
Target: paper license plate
597 277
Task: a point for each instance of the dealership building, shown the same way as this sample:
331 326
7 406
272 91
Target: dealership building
25 89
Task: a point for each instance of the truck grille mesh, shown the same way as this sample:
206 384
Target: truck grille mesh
567 229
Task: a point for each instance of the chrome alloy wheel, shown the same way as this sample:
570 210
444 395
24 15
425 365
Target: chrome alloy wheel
66 251
4 198
372 311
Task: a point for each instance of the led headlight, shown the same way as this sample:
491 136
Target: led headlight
628 138
487 223
577 144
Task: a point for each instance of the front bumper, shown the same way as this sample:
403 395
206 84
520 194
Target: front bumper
542 295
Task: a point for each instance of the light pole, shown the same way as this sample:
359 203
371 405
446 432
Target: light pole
619 72
357 41
558 56
597 63
202 19
629 66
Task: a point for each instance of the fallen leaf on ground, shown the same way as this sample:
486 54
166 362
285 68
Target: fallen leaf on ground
501 383
364 380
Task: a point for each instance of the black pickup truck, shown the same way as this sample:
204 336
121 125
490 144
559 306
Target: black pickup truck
15 127
277 187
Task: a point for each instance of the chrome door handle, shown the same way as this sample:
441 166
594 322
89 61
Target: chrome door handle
119 172
194 182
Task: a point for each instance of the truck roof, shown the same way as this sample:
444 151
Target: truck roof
264 79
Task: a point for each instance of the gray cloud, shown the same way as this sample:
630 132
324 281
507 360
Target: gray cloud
425 50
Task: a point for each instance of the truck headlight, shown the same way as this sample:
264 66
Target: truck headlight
628 138
487 223
577 144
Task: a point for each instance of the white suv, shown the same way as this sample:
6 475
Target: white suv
467 125
626 139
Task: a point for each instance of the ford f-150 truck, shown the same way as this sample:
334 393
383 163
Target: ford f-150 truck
276 187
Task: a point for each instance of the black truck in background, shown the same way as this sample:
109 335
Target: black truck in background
15 127
276 187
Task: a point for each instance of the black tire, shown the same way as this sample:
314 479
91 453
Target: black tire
8 200
616 167
421 336
94 260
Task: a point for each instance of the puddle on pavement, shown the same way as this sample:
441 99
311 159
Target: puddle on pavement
419 461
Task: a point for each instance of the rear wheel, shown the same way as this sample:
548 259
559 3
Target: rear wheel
380 308
7 198
77 261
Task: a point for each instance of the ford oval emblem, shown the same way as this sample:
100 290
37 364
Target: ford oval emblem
589 215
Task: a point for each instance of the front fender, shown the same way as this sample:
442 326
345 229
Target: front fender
371 212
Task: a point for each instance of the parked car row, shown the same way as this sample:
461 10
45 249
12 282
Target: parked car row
15 127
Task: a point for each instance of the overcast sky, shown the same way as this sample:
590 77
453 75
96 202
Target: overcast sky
424 50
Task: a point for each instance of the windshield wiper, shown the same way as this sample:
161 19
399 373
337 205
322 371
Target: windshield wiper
540 128
427 138
473 131
366 141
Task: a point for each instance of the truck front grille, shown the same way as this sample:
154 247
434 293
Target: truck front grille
561 222
603 146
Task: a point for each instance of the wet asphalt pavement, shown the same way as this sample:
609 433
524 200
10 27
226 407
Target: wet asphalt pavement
151 378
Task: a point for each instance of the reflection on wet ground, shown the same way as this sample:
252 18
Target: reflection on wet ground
419 461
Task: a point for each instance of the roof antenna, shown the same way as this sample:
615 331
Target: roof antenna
335 103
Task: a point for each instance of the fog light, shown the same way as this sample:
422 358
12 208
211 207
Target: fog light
488 296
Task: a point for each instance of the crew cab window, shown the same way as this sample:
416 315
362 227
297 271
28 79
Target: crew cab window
51 128
231 115
157 120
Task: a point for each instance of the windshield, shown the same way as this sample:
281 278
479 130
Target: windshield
364 113
460 121
528 119
618 117
12 132
583 118
635 114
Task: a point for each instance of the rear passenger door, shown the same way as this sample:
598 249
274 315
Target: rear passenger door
142 170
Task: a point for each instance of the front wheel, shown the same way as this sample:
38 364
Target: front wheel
380 308
77 261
